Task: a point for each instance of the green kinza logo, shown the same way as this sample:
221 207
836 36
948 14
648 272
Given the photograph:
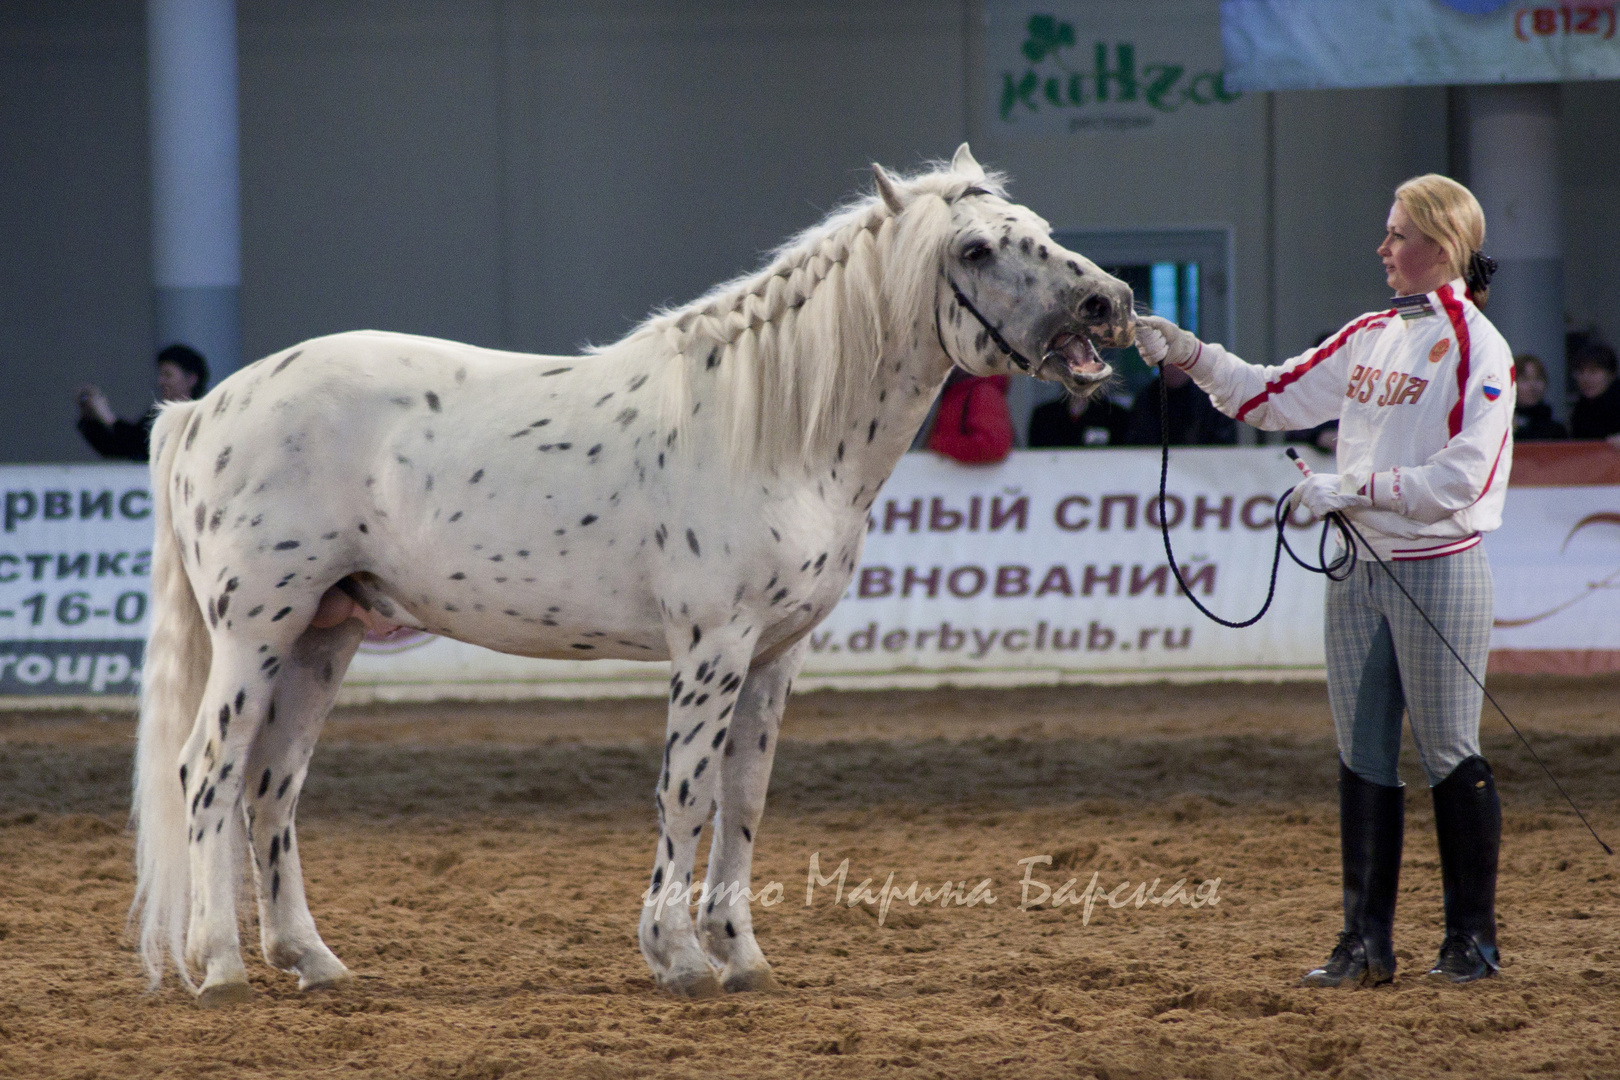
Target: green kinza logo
1165 87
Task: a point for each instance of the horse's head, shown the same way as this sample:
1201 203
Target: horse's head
1010 298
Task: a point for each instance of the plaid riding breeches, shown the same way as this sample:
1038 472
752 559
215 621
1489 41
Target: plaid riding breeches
1383 659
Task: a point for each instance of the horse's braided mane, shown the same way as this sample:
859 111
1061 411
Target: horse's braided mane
779 358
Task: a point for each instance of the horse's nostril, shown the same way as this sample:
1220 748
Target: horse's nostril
1097 309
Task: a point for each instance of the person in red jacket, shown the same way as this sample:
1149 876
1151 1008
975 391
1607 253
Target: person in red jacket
973 425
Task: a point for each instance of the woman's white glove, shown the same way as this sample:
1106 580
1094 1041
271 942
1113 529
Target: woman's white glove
1159 340
1321 495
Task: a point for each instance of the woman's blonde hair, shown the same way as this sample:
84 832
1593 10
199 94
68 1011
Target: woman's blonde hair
1447 213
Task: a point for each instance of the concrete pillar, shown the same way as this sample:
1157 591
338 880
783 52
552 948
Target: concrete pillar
196 216
1513 171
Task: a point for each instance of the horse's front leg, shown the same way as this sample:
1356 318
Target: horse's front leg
725 923
710 663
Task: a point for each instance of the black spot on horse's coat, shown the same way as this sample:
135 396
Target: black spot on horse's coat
587 519
780 593
278 616
577 645
692 542
697 631
690 735
286 545
208 798
269 663
701 765
636 383
271 718
477 476
713 361
721 734
213 522
223 460
226 770
456 516
725 712
747 834
821 562
191 433
275 849
871 430
290 358
457 576
241 698
282 788
275 885
201 517
326 672
730 932
224 721
432 400
555 371
224 601
684 793
658 881
669 845
764 737
264 783
626 417
363 528
687 700
593 451
674 692
182 778
255 611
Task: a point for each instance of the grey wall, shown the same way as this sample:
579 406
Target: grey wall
537 175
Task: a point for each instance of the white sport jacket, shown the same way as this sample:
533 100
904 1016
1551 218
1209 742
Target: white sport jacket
1424 396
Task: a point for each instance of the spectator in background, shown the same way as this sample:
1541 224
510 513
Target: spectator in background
1194 419
1075 421
182 375
1532 417
1597 414
973 425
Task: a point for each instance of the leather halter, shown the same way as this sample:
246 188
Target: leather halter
1021 361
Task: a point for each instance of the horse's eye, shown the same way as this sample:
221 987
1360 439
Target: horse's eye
977 251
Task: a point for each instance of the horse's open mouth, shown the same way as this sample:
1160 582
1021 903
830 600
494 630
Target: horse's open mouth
1077 353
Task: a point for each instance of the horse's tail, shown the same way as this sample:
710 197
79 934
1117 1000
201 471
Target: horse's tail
178 654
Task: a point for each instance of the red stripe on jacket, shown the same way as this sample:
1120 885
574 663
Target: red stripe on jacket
1288 378
1459 324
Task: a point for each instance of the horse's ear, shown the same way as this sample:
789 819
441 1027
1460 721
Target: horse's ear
964 162
886 188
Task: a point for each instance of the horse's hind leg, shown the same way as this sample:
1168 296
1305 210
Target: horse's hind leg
725 924
212 765
305 689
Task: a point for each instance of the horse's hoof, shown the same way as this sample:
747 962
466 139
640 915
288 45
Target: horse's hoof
759 979
326 980
700 985
231 993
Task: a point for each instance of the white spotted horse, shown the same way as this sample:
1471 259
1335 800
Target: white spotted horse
696 493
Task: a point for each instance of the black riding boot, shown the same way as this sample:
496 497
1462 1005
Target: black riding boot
1371 824
1468 821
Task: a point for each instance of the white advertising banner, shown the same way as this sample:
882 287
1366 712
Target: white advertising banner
1072 66
1556 562
1312 44
75 562
1046 568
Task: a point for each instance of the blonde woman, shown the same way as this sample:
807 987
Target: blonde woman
1424 396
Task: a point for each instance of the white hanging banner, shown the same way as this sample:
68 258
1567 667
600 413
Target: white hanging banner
1046 568
1314 44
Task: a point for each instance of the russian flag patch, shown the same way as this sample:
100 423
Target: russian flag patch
1492 389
